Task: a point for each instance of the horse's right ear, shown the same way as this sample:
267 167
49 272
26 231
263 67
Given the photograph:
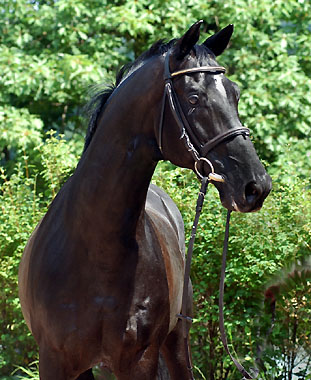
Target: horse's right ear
184 45
219 41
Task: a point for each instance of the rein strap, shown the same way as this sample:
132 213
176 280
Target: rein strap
183 316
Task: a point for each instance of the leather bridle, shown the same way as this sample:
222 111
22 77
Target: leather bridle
199 152
198 149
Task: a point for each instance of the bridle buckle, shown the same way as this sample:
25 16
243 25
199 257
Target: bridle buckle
216 177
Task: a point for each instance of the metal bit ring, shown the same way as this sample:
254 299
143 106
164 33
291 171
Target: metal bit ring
212 175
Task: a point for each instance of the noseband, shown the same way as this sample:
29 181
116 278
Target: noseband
194 146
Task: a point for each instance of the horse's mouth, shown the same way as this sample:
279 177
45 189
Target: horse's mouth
251 205
248 198
245 209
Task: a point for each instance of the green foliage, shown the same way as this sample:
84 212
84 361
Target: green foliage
19 213
270 59
30 373
291 289
19 131
295 158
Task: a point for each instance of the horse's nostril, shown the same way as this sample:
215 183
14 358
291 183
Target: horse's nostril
252 192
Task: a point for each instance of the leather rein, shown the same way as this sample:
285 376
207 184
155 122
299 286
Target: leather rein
199 152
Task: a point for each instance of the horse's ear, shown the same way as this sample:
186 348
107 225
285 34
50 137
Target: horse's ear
184 45
219 41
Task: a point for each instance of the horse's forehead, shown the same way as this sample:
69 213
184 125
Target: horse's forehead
219 84
207 81
204 80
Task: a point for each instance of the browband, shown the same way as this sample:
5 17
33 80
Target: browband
208 69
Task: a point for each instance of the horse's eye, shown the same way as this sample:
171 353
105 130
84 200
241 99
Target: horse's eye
193 99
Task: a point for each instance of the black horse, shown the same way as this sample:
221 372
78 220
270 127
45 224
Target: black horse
101 276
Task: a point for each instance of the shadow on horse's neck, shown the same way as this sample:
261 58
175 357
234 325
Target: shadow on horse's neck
114 174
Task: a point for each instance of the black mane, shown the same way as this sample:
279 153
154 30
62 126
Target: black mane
100 95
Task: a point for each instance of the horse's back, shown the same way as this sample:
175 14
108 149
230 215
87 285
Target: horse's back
161 205
169 228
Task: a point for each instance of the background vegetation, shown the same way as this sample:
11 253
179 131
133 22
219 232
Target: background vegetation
51 51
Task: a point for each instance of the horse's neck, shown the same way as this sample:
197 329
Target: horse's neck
114 174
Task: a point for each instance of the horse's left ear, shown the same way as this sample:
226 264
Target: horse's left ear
219 41
184 45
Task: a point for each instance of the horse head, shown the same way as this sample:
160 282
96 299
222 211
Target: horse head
201 129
